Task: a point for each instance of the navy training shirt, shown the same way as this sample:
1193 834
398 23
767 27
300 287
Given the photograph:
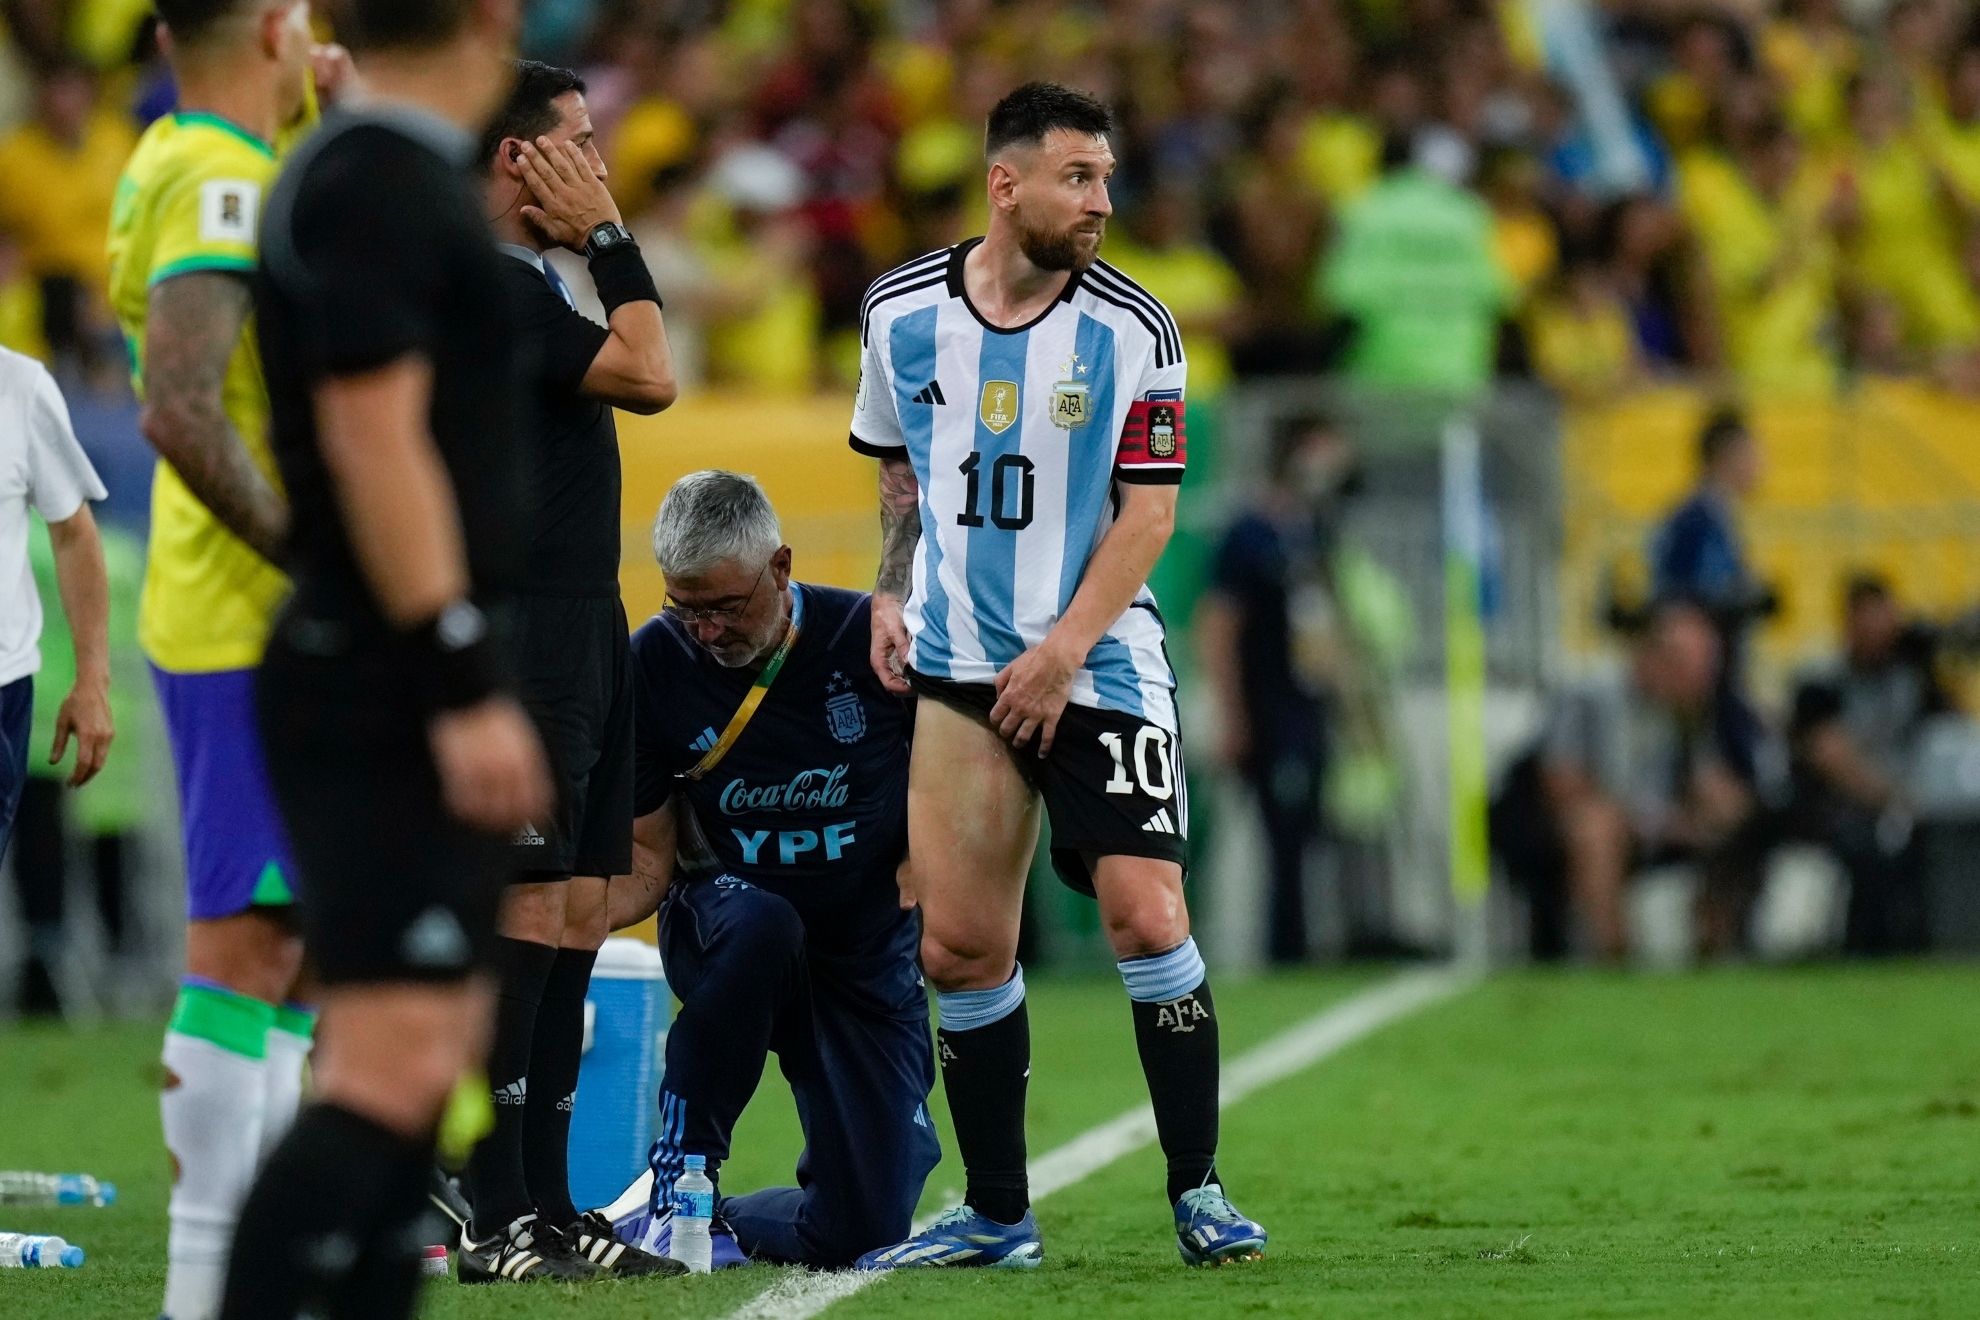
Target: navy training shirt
811 802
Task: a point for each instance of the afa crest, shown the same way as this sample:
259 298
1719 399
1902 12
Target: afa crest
1162 430
845 713
1069 404
999 406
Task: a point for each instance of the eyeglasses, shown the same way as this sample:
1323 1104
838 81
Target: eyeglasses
690 615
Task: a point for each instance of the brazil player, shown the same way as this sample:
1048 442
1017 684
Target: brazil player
182 246
1025 401
765 744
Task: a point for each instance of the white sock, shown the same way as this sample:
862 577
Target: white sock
212 1113
282 1075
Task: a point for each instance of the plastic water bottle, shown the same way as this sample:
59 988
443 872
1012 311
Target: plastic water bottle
694 1207
33 1251
20 1188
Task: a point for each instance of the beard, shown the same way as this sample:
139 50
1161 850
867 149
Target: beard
1060 249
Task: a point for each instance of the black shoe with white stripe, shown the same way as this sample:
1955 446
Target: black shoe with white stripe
592 1237
525 1252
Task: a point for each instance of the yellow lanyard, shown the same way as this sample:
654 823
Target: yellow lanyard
754 697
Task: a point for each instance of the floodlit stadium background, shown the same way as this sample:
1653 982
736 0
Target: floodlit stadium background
775 155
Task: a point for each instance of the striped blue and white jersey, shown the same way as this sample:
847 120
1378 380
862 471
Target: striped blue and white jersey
1017 438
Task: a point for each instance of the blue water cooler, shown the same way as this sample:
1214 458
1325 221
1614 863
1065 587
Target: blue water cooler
625 1029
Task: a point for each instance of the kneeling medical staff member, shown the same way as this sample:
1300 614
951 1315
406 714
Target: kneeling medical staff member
765 747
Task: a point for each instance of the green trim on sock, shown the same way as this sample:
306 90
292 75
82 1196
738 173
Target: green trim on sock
236 1023
272 890
296 1021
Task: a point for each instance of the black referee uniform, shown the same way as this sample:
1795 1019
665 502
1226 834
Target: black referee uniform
375 249
575 678
573 644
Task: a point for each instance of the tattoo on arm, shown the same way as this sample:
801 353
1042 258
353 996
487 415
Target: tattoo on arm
193 327
900 526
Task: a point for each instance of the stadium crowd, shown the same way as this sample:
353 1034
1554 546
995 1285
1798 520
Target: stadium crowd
1774 194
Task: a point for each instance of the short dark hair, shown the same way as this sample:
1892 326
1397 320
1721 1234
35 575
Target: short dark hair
1866 584
1725 428
531 109
364 25
1028 113
191 20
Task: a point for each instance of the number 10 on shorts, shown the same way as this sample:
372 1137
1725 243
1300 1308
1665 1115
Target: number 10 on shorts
1146 737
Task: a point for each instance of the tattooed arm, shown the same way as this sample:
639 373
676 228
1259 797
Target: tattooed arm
192 328
900 531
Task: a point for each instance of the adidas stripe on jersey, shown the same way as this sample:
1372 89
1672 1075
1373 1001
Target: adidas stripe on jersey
1017 438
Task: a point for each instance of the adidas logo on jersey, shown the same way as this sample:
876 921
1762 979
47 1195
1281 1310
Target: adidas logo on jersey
564 1106
706 741
930 393
1159 823
527 837
515 1093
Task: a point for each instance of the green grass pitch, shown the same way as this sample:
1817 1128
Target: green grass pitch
1734 1143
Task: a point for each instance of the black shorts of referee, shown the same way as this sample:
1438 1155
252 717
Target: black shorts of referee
574 657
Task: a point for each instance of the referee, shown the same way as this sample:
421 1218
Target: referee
398 759
544 187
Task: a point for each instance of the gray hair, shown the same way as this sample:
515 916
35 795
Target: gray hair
713 516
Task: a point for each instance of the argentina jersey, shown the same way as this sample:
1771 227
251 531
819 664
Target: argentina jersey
1016 438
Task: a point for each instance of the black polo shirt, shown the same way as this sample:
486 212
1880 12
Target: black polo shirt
574 545
375 248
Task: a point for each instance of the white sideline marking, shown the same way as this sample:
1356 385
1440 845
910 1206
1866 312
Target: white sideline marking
802 1296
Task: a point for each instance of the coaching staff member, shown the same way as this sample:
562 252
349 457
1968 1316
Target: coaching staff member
397 756
766 741
544 187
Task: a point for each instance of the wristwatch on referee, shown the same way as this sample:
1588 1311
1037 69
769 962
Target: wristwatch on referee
603 238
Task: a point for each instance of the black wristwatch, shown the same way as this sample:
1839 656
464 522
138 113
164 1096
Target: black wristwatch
603 238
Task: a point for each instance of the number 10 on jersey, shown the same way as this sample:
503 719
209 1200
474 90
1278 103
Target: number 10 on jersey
1011 481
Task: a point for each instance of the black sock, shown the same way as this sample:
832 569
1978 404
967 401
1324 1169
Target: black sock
1177 1040
495 1169
330 1220
554 1054
984 1072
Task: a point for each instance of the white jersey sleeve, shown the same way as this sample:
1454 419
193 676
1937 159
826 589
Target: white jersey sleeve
876 421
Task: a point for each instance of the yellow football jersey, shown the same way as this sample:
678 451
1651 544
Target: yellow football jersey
190 200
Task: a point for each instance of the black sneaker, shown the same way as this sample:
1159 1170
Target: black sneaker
524 1252
594 1240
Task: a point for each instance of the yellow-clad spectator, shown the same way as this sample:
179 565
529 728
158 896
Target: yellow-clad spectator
1340 154
1522 235
763 323
1163 251
1954 140
1761 218
1680 103
60 171
654 134
1812 50
1900 239
1581 336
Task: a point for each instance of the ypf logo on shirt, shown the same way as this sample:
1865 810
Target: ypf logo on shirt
229 210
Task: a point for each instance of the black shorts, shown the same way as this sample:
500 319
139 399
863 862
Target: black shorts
575 657
1112 784
391 886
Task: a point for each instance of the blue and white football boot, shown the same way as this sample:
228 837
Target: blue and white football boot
1210 1231
962 1237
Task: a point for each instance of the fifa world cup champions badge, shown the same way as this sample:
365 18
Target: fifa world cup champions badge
998 407
1070 396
